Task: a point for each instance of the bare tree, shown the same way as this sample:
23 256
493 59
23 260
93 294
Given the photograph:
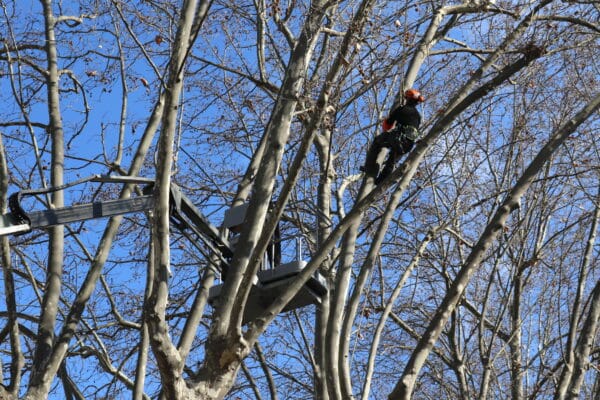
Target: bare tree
470 270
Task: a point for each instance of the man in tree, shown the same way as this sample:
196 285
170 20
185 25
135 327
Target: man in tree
400 131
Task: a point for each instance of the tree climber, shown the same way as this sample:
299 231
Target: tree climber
400 131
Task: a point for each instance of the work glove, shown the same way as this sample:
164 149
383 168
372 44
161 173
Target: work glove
387 125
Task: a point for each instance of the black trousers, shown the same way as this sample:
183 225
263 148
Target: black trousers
398 145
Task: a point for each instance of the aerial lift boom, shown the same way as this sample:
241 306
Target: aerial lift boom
185 216
18 221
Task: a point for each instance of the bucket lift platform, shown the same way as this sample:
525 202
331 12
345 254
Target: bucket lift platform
271 282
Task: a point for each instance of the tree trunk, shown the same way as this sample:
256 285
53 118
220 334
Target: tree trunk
567 372
11 391
168 358
516 369
41 377
584 345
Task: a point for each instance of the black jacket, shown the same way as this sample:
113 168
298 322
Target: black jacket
406 115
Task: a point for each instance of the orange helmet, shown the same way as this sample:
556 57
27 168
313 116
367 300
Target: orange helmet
414 94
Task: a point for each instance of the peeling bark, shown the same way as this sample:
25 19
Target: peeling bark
41 378
168 357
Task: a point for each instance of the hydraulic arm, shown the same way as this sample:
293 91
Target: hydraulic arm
186 217
183 212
